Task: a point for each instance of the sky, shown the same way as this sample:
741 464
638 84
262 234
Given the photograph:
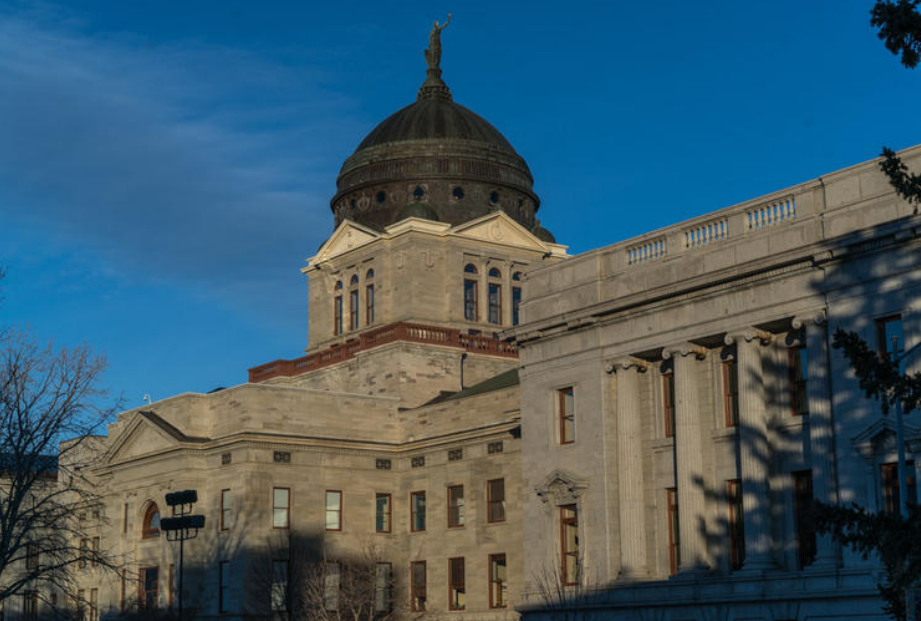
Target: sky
166 167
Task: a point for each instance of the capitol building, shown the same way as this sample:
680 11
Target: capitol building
642 428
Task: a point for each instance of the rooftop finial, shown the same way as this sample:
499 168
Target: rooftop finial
434 87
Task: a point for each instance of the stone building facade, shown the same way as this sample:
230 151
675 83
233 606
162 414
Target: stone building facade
650 420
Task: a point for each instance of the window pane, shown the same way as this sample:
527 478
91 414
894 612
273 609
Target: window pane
382 513
418 511
279 589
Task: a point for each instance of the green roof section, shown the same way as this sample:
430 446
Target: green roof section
497 382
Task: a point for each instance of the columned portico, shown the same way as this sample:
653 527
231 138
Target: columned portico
689 470
754 449
630 468
821 433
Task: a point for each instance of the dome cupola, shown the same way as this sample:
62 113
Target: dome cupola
438 154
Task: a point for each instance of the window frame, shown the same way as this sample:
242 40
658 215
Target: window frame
282 586
565 552
369 304
736 518
564 415
493 589
673 520
730 369
799 386
454 585
882 344
225 510
387 589
456 511
803 502
494 287
388 515
889 486
474 286
144 592
287 508
337 315
516 305
415 587
339 511
354 323
669 414
222 585
29 605
413 512
148 531
492 502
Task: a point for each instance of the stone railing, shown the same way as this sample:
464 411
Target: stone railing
395 332
706 232
771 213
645 251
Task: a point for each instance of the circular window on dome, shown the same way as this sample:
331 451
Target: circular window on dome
354 204
381 197
493 197
418 193
457 192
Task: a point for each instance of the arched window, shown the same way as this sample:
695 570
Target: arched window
338 285
418 193
353 303
495 273
370 274
516 276
151 522
470 268
457 193
493 197
337 309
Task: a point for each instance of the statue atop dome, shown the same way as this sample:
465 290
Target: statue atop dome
433 54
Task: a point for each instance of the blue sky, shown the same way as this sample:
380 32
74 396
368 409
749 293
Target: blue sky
166 167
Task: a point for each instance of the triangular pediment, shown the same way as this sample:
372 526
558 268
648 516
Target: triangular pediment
348 236
500 228
560 487
140 438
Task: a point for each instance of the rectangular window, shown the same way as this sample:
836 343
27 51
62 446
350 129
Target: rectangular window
417 586
123 599
674 548
150 588
32 554
802 518
457 590
94 604
225 509
30 605
455 506
125 519
730 394
80 605
417 509
331 587
281 507
889 335
353 309
333 509
799 399
668 403
94 557
383 510
223 585
567 408
569 544
890 486
84 552
495 500
278 594
736 524
369 304
337 315
383 587
516 303
498 581
495 303
470 302
171 586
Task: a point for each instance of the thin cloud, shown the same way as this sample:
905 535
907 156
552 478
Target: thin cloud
200 165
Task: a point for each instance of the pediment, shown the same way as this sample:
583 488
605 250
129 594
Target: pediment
140 438
880 438
500 228
348 236
560 487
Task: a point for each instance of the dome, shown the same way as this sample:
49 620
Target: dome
440 155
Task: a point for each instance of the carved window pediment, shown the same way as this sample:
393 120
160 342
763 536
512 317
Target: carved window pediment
560 488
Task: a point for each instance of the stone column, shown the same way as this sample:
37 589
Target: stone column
689 470
754 450
631 508
821 433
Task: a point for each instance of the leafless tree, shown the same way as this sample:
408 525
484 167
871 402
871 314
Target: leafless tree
50 512
297 578
564 593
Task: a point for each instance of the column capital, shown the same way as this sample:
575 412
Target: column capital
683 350
748 335
817 318
626 363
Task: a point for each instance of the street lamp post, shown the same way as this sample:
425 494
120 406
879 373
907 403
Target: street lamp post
182 526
